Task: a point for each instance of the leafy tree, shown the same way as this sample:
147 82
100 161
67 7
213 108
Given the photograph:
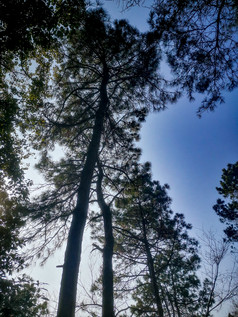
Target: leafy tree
23 22
105 82
11 145
155 260
24 26
19 296
22 297
166 258
157 245
227 209
9 148
10 227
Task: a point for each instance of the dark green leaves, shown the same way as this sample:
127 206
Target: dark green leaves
200 41
227 209
24 23
21 297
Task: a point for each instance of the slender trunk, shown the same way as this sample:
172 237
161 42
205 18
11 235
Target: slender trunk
171 301
68 290
107 274
154 284
175 296
211 295
166 304
150 262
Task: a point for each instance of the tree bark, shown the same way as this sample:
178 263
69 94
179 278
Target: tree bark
107 274
150 262
68 290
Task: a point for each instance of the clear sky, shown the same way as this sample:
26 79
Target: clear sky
186 152
189 153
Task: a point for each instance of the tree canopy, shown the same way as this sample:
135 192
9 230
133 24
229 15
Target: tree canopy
200 42
156 243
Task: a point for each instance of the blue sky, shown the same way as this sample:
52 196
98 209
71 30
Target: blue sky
189 153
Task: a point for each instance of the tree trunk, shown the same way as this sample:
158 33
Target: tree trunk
107 274
150 262
68 289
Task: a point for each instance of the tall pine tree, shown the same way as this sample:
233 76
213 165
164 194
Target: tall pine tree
105 81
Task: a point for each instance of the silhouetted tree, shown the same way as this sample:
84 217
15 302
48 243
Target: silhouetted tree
157 245
200 39
19 296
155 261
24 27
221 282
105 81
24 24
227 209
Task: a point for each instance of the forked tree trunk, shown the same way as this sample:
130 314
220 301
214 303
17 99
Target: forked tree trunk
107 273
68 289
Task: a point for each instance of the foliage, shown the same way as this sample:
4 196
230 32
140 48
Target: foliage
155 250
10 150
25 24
21 297
155 260
199 39
200 42
227 209
18 296
11 222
